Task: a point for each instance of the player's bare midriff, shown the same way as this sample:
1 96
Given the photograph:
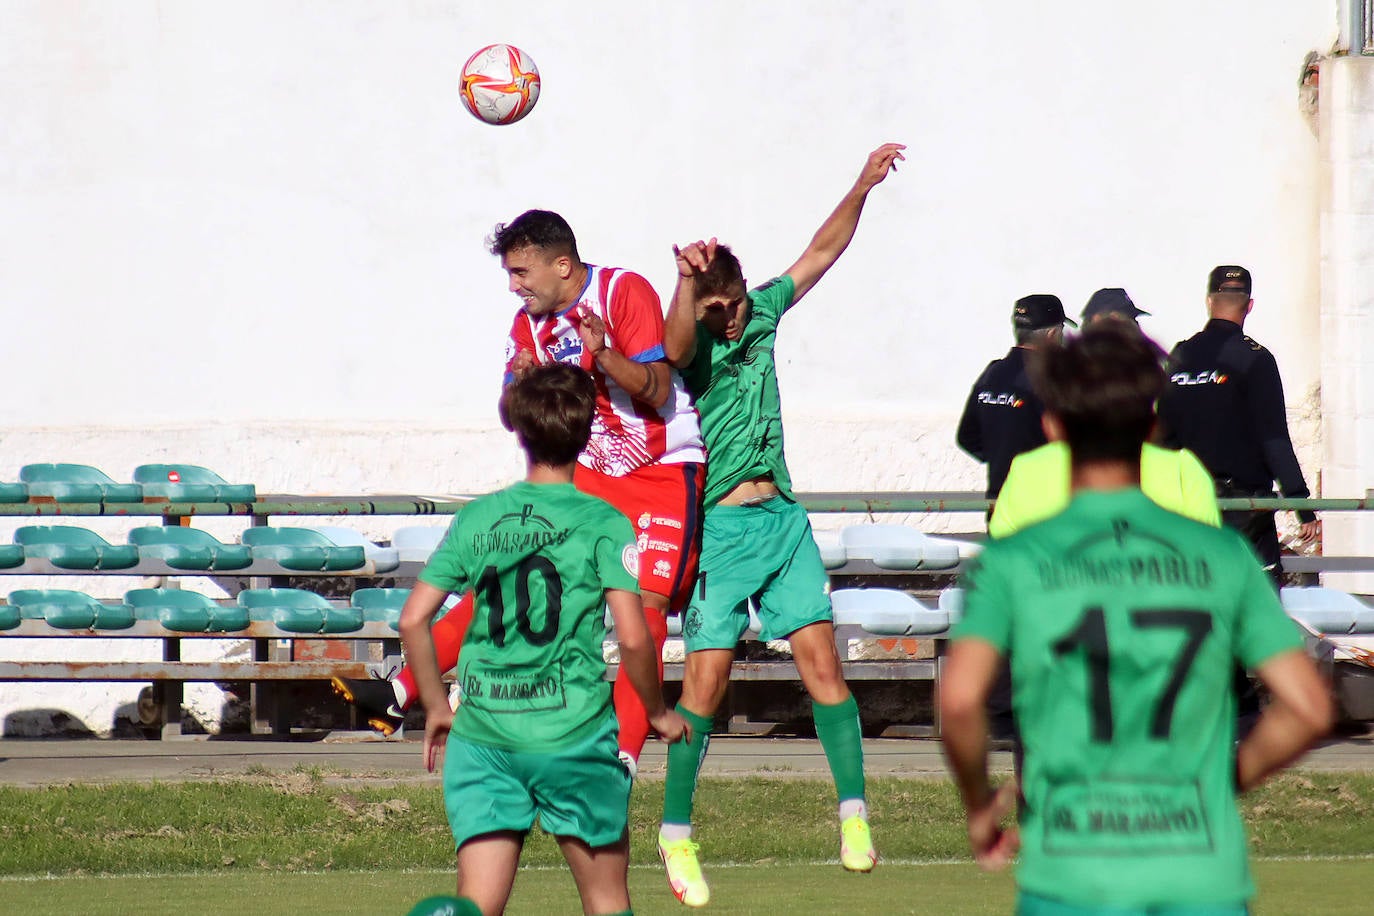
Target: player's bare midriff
752 492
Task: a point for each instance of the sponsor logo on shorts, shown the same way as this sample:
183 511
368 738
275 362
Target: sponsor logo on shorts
668 522
629 558
691 622
644 520
663 569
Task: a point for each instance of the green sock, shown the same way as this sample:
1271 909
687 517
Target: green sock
684 762
838 729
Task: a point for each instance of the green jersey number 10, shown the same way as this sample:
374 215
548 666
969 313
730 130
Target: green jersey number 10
490 587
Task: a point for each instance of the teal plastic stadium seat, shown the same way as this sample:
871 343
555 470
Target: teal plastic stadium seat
9 616
899 547
11 555
1328 610
298 611
188 548
301 549
381 604
833 554
14 493
383 559
77 483
188 483
952 603
886 612
71 610
415 543
185 612
70 547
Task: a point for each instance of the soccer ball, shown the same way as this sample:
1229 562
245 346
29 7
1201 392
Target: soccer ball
500 84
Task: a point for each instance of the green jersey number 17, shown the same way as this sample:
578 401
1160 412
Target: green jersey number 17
1090 637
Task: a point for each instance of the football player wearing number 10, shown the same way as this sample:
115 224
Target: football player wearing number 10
535 736
1123 622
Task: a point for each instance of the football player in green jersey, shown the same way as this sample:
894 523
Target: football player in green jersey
756 540
1122 622
535 736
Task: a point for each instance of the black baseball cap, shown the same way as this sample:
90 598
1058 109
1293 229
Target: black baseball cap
1111 301
1039 310
1229 278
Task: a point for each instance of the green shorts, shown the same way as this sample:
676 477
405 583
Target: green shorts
765 552
1028 904
582 791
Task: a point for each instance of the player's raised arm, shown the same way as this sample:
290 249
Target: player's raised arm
835 233
650 382
680 327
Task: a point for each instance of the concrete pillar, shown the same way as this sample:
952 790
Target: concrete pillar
1347 306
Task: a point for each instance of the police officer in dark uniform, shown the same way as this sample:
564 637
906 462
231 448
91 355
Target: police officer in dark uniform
1002 416
1224 402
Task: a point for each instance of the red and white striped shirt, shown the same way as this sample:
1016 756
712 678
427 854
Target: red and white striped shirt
626 433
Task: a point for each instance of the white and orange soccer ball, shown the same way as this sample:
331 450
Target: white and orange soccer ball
500 84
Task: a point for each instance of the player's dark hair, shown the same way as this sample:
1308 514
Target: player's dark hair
542 229
1102 385
550 409
721 277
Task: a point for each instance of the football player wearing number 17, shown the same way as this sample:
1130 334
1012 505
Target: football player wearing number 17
1123 622
535 735
721 336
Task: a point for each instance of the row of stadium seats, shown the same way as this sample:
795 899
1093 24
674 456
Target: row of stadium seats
329 549
883 612
893 612
323 549
291 610
892 547
81 483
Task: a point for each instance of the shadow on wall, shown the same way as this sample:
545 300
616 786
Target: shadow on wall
46 723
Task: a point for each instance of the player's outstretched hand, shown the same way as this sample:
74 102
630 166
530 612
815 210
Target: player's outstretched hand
881 161
523 362
695 257
591 329
437 726
993 846
671 727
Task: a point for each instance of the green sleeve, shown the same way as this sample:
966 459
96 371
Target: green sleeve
696 375
1199 490
1262 630
987 600
446 570
617 559
773 298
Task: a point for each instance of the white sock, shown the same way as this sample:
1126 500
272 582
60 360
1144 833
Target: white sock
671 833
402 698
851 807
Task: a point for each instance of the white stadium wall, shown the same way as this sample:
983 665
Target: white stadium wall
251 235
